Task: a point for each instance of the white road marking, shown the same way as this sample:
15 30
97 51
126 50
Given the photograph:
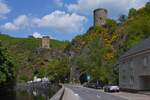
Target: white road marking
98 96
76 94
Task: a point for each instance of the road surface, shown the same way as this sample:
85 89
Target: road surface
91 94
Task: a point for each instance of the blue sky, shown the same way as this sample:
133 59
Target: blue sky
59 19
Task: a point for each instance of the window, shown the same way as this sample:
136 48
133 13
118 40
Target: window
123 77
100 18
131 79
145 61
131 64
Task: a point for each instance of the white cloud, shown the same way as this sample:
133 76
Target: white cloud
58 21
9 26
4 9
138 3
37 35
59 3
114 7
84 5
20 22
61 21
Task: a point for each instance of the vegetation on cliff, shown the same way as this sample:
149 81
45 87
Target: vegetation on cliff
28 57
95 53
98 50
7 67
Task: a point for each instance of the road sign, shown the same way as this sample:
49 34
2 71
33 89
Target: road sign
88 77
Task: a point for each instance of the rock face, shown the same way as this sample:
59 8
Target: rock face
100 16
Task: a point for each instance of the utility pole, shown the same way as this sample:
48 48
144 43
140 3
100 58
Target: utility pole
70 55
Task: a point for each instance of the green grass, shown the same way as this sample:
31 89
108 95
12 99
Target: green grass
28 43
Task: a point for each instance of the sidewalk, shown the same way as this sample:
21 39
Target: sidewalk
130 96
145 92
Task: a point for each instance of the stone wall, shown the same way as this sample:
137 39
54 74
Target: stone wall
45 42
100 16
134 71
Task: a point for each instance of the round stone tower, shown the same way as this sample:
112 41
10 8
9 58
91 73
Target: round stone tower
100 16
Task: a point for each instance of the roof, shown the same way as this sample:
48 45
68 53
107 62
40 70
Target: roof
142 46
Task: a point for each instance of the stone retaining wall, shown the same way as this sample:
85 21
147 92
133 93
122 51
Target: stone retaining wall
65 94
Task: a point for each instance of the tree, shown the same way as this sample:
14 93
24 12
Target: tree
111 25
6 66
147 6
58 69
122 19
132 12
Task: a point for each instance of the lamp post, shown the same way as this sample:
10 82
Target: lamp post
70 55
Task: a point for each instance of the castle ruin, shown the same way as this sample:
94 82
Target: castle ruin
45 42
100 16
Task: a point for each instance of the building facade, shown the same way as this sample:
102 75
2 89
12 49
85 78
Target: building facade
100 16
45 42
134 67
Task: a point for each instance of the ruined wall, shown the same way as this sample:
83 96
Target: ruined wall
45 42
100 16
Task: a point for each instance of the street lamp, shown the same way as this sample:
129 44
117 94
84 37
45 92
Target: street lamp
70 55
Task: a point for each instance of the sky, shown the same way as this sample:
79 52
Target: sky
59 19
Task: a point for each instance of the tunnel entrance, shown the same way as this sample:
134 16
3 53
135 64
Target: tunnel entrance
83 78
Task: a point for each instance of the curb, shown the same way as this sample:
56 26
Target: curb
59 94
70 95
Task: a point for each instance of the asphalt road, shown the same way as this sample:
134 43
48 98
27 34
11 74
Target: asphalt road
91 94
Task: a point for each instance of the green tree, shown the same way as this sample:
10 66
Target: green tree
147 6
57 69
6 66
111 25
132 12
122 19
